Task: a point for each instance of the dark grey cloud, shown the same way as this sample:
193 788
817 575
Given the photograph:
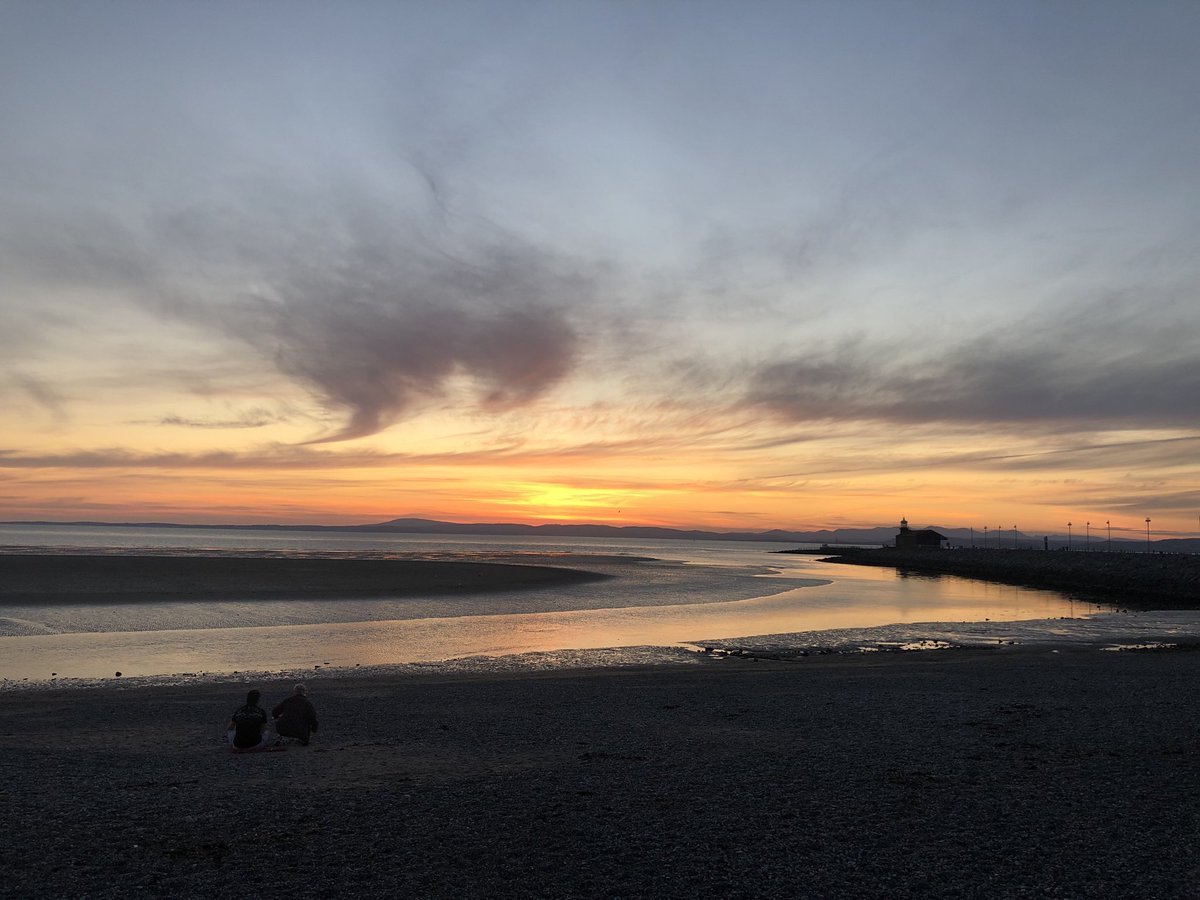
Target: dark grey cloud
378 359
373 308
1105 365
380 329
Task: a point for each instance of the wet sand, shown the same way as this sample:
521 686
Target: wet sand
53 578
1011 772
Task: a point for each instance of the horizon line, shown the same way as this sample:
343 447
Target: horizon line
543 525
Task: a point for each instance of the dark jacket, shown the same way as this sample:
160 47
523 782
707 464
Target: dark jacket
248 722
295 717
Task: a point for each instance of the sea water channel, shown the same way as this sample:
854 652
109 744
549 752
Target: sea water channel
664 602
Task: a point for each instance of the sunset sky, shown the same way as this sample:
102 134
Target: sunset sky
730 265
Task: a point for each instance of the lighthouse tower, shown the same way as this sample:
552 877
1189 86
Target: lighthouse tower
928 539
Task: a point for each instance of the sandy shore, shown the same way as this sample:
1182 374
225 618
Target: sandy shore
59 578
1002 773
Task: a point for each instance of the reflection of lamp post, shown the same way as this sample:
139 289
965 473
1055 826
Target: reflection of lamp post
1087 541
1147 534
1068 535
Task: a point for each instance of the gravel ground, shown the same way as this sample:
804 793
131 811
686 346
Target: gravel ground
961 773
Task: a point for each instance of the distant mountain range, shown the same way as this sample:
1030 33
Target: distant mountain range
510 529
869 536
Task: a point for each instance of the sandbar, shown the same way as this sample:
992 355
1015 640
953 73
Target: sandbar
29 578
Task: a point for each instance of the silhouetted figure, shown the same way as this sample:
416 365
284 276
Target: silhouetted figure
248 725
295 717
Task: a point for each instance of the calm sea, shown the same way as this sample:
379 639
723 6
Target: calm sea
665 600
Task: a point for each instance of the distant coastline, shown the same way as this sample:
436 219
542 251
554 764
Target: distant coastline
836 539
507 529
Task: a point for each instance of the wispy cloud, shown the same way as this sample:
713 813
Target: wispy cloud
249 419
1157 500
284 457
41 393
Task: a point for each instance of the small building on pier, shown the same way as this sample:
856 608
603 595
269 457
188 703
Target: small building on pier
923 539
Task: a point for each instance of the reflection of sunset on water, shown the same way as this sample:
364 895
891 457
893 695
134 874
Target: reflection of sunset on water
333 634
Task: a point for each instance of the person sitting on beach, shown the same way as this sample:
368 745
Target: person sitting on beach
248 725
295 717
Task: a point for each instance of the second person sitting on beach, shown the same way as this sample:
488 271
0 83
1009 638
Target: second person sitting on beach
295 717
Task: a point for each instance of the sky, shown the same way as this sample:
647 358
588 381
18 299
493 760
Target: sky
733 266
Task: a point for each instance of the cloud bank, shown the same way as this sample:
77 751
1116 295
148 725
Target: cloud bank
1100 366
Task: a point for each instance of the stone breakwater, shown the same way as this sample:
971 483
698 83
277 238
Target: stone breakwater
1143 580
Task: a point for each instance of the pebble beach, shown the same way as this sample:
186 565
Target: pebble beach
1009 772
1047 769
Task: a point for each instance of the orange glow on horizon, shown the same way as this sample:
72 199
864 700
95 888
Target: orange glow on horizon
543 502
846 476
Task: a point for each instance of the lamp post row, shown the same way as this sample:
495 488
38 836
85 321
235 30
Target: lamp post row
1087 534
1108 542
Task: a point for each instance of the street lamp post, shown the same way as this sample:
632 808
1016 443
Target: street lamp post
1108 522
1087 541
1068 535
984 537
1016 546
1147 534
999 529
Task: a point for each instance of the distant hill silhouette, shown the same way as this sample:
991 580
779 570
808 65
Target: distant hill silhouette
870 536
512 529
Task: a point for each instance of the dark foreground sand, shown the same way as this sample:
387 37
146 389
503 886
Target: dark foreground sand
999 773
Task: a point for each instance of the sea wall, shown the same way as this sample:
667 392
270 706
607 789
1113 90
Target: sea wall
1144 580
